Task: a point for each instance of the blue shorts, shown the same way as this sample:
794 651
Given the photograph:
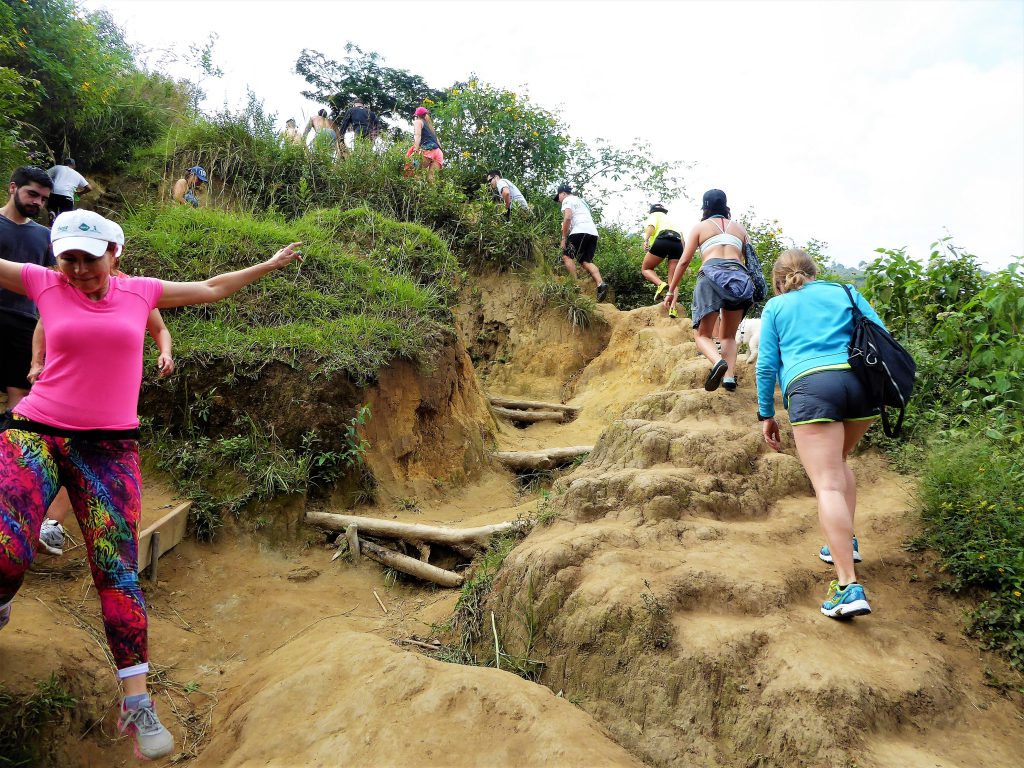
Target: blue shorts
832 395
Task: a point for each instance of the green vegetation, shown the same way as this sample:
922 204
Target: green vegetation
22 720
965 422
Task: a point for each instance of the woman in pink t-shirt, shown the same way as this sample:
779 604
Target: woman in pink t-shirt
78 429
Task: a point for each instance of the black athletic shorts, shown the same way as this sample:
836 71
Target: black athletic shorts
15 349
581 247
58 204
667 248
833 395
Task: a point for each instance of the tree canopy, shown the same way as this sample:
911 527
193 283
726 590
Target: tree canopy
391 93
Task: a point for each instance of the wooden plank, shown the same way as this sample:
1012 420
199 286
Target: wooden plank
172 530
549 458
514 402
528 416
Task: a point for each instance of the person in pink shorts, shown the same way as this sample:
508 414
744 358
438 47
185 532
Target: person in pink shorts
78 428
425 151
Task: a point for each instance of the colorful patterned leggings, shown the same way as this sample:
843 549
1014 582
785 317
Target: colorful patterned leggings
105 486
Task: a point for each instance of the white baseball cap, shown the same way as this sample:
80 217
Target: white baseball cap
87 231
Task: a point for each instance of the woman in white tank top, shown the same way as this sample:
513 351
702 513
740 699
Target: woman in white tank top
720 241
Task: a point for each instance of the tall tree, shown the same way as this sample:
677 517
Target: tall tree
391 93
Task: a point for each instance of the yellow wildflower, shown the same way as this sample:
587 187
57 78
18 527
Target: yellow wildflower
1016 593
472 84
981 556
456 91
22 44
536 134
466 153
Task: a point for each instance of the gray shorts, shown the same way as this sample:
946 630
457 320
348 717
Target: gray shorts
830 395
706 299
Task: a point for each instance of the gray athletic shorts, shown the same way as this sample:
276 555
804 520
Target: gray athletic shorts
832 395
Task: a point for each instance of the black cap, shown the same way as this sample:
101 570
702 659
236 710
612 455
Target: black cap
492 173
713 199
562 188
69 161
658 207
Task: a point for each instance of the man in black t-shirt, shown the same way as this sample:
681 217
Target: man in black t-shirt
21 240
361 120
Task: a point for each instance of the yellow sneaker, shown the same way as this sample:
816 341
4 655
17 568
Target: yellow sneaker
673 313
660 289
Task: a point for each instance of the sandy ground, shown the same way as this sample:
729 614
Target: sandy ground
277 656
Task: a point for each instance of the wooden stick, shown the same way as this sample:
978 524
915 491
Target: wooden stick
154 555
352 535
411 565
418 644
549 458
497 649
391 529
509 402
528 416
379 601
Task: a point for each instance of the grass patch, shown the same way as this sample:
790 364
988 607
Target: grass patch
973 514
564 294
23 718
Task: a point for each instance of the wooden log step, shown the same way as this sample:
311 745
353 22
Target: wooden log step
529 416
514 402
409 565
411 532
171 528
549 458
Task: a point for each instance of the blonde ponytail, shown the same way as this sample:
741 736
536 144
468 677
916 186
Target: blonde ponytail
793 269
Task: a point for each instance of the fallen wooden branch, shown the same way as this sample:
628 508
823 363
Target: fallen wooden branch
410 565
508 402
528 416
411 532
549 458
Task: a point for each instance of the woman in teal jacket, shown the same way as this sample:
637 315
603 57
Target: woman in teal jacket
805 330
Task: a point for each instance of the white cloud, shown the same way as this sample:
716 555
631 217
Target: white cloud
862 124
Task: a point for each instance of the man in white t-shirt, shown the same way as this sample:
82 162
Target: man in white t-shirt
67 182
579 237
508 192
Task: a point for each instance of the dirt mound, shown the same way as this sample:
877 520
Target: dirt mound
676 596
354 699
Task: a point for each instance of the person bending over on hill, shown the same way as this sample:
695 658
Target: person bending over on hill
508 193
425 150
805 330
723 289
361 120
579 237
187 189
78 428
67 182
51 533
662 240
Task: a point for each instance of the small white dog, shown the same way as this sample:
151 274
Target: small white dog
749 333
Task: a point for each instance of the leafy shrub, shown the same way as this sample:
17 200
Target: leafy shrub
24 719
563 293
973 499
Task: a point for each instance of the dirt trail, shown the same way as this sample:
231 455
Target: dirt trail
675 602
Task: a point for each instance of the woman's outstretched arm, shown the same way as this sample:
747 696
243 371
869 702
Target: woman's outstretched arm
223 285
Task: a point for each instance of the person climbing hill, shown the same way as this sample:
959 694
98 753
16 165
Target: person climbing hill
426 149
805 330
187 188
507 192
78 428
662 240
361 119
579 237
723 290
67 184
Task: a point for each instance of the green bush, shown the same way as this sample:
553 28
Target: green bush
973 512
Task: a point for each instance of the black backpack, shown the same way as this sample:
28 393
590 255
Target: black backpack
753 267
884 367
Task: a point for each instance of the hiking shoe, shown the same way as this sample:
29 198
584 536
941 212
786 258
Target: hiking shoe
5 615
826 556
658 290
714 379
152 740
602 291
729 384
845 603
51 537
673 313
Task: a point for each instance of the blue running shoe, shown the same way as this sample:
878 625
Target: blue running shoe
845 603
826 556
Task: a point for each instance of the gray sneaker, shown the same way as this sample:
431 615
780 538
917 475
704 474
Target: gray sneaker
51 537
152 740
5 615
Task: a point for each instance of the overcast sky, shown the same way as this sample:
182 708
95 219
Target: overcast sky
863 124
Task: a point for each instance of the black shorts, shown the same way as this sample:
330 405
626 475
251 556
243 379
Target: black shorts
835 395
581 247
58 204
15 349
667 248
